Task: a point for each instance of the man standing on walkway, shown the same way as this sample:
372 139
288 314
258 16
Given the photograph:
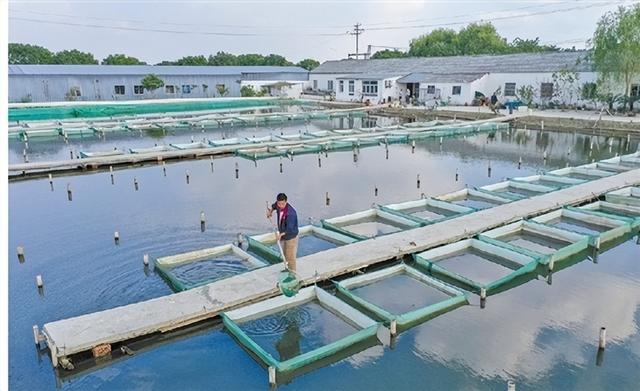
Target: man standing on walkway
287 228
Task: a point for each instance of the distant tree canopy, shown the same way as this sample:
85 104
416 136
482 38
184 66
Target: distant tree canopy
475 38
308 63
29 54
616 50
74 57
388 53
121 59
223 58
32 54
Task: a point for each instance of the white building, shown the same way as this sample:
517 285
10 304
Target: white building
457 80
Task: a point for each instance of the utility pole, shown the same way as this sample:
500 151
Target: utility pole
357 30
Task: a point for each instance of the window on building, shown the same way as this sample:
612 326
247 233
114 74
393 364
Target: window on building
186 88
635 90
431 89
170 89
352 87
369 87
456 90
315 84
341 86
75 91
509 89
118 90
388 84
329 85
138 90
546 90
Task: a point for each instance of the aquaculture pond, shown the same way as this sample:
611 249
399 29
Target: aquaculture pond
543 336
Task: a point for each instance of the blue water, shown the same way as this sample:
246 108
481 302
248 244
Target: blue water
527 333
400 293
292 332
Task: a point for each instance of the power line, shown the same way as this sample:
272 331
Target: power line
524 15
156 30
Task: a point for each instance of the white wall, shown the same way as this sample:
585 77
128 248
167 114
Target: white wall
497 80
292 91
467 92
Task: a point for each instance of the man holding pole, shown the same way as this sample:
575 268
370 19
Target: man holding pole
287 228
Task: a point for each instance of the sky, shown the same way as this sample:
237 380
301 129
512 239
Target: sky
167 30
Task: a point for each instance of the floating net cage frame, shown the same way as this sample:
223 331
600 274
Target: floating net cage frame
261 244
509 189
445 209
474 194
616 227
164 265
614 211
520 264
337 224
367 329
400 322
558 182
575 243
627 196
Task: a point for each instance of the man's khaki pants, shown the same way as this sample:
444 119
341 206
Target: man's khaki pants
290 249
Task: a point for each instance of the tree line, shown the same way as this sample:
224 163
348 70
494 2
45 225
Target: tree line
33 54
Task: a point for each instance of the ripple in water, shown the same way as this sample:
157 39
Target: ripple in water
211 269
278 323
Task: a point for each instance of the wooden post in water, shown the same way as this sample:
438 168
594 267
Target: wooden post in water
602 338
51 181
187 176
211 158
111 174
135 183
69 194
519 162
202 222
511 385
164 168
327 199
237 170
413 146
39 281
456 175
116 237
418 181
145 259
20 251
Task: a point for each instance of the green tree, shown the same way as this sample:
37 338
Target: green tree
388 53
308 63
223 58
222 89
439 42
247 91
520 45
121 59
20 53
616 47
475 38
151 82
192 60
526 93
565 84
74 56
275 60
481 38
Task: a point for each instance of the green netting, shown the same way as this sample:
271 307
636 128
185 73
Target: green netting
367 330
267 253
110 110
405 320
623 212
521 264
165 265
576 243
